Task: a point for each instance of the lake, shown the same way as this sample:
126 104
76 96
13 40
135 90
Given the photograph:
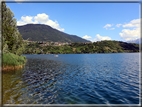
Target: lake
111 78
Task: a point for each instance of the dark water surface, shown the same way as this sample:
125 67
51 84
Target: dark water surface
74 79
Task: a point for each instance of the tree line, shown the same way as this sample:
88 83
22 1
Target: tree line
96 47
12 41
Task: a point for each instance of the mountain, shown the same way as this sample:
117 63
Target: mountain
137 41
40 32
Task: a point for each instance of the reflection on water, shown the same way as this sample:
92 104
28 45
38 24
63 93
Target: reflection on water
74 79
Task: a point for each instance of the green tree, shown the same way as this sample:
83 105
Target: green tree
12 40
38 51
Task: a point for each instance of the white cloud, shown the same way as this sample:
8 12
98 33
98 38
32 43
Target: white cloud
133 23
118 25
20 23
111 28
107 25
131 39
26 20
39 19
42 18
86 37
128 34
99 38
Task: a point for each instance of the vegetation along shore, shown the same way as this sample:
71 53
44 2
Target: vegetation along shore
13 45
12 61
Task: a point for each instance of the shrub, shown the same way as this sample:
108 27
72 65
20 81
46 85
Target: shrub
10 59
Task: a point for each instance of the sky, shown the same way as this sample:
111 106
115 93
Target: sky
91 21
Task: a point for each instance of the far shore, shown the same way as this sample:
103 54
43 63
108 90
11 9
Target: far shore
78 53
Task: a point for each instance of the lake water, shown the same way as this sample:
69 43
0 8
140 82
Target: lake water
75 79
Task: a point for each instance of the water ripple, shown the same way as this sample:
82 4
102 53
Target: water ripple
48 80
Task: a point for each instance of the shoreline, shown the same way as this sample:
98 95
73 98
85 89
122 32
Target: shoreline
8 68
78 53
12 62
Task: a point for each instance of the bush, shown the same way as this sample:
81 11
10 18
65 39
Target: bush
10 59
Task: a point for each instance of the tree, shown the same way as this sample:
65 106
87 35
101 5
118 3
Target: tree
12 39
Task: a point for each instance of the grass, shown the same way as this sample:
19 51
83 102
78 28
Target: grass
10 59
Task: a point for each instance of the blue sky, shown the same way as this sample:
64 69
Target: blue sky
92 21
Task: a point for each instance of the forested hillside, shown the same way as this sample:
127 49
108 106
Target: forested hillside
96 47
40 32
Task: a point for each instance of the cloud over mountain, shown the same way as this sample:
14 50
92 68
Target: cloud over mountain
39 19
99 38
86 37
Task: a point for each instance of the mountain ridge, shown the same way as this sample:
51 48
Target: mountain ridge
40 32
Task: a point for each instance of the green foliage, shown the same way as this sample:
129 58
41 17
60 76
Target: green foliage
38 51
8 26
11 59
39 32
96 47
12 39
13 44
5 48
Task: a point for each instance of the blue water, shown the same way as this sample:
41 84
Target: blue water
76 79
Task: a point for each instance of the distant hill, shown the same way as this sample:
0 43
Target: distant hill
40 32
137 41
106 46
109 46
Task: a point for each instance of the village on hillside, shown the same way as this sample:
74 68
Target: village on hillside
45 43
